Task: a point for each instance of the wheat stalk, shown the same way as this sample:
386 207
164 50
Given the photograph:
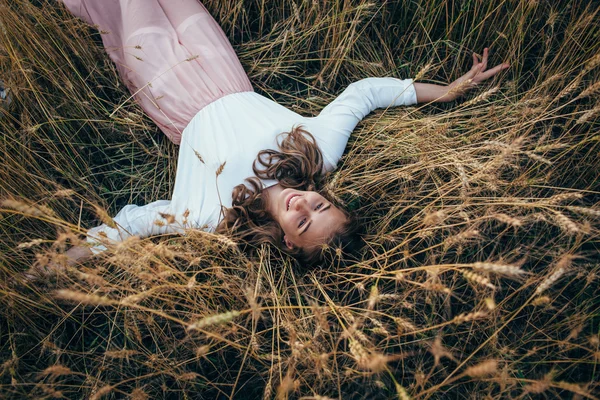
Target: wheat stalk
468 317
83 298
27 209
482 369
550 280
481 97
498 268
479 279
217 319
103 391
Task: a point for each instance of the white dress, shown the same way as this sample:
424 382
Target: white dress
229 133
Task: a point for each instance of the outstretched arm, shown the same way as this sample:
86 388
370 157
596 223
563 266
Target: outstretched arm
333 126
427 92
151 219
155 218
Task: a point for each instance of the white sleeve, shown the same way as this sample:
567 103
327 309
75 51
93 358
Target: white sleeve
152 219
337 121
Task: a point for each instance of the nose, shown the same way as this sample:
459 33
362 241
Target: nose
300 203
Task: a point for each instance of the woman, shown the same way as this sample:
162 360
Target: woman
182 70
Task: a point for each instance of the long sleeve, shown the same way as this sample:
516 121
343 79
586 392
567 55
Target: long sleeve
337 121
152 219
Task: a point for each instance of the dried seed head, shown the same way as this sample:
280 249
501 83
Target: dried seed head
537 387
105 217
550 280
480 279
437 349
64 193
437 287
592 62
591 212
220 169
562 197
104 390
27 245
538 158
56 371
83 298
359 353
402 392
497 268
217 319
222 239
481 97
198 156
541 300
372 298
589 91
462 318
404 325
507 219
388 297
566 223
170 219
570 88
377 362
490 303
586 116
422 72
93 279
188 376
286 386
27 209
138 394
435 218
461 238
120 353
203 350
483 369
565 261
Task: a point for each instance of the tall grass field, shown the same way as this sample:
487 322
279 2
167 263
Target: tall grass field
479 276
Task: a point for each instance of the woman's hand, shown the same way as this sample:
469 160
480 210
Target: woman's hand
427 92
471 79
75 254
78 254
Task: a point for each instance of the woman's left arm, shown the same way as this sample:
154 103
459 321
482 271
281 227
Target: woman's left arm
427 92
335 123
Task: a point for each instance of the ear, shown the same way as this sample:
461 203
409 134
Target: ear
288 243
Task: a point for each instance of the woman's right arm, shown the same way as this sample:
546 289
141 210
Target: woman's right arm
155 218
152 219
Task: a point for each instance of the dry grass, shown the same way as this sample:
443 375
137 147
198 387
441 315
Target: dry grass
480 272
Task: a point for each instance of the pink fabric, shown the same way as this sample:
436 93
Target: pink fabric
172 55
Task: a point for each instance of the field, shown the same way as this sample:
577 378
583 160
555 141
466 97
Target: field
480 271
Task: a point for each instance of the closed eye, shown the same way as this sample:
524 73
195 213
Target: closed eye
321 210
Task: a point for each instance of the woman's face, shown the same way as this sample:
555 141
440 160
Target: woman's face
307 218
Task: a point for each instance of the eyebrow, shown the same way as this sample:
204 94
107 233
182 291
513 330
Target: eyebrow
320 211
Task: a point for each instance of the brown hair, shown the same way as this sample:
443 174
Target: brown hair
298 164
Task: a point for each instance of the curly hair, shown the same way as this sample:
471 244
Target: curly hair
298 164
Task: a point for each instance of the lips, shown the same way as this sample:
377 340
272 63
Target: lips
288 203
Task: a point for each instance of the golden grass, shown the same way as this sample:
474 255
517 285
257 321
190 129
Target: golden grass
480 271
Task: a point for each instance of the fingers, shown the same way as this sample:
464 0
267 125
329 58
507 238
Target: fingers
473 72
489 73
484 61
